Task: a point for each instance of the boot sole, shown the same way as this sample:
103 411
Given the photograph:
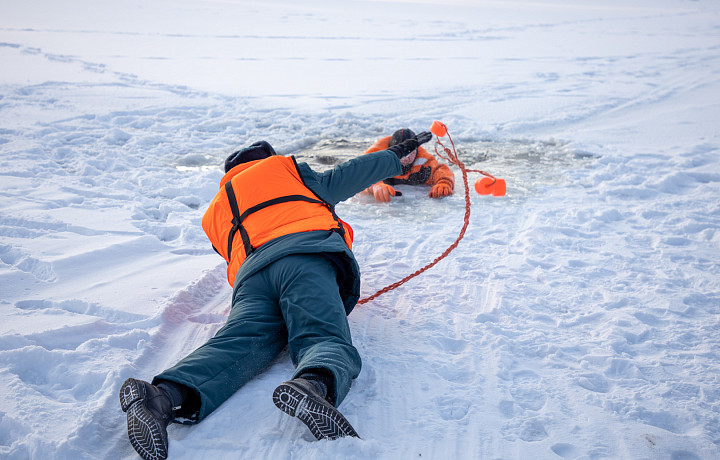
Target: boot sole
145 433
323 420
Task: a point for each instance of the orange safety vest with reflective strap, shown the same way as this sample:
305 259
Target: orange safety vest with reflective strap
263 200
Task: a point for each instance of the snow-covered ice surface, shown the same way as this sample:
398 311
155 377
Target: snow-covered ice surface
579 318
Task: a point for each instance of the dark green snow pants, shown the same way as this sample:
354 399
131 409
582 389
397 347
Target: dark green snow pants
294 301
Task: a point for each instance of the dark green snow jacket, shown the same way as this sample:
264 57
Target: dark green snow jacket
332 186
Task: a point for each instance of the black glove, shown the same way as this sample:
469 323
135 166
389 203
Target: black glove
423 137
407 147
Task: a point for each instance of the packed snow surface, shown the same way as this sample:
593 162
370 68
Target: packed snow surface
579 318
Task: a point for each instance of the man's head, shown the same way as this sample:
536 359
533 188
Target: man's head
401 135
257 151
398 137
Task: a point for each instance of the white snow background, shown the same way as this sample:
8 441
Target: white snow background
579 318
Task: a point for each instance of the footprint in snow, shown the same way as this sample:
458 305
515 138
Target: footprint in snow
452 408
525 390
533 430
565 450
594 382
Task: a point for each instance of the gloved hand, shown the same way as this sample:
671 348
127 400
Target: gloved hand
382 192
441 189
407 150
423 137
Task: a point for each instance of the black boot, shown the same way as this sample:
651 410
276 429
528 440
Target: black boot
149 411
300 398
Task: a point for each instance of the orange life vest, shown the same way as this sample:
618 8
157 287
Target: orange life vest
263 200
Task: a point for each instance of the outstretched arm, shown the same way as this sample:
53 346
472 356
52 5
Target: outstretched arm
353 176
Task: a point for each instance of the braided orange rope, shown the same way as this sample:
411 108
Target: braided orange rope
452 158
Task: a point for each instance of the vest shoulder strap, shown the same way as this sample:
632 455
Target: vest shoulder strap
239 218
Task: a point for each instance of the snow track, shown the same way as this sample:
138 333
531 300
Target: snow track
578 319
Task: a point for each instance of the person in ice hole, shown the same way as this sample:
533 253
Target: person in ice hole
424 170
294 280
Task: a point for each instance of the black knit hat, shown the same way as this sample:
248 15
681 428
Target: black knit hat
401 135
257 151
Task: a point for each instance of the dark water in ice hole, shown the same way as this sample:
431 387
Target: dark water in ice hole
526 165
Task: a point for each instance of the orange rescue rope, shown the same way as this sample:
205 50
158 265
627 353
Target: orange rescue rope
440 130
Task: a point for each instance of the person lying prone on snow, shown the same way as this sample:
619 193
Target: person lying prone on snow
295 279
423 170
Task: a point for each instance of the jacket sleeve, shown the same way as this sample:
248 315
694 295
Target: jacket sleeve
442 173
380 144
353 176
